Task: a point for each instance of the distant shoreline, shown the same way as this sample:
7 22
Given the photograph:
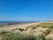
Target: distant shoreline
2 23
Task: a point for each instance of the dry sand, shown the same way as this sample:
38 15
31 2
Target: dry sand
11 27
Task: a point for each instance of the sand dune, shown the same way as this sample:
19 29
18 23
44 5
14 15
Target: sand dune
11 27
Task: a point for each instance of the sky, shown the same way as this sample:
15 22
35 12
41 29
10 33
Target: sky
26 10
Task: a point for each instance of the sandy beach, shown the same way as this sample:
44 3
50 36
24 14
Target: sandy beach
11 27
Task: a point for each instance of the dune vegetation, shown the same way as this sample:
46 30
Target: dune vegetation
42 31
22 36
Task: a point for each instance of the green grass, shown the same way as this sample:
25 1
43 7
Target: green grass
46 25
22 36
18 36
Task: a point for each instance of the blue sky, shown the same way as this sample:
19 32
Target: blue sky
26 10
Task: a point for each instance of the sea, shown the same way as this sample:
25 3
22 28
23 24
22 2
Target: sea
14 22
